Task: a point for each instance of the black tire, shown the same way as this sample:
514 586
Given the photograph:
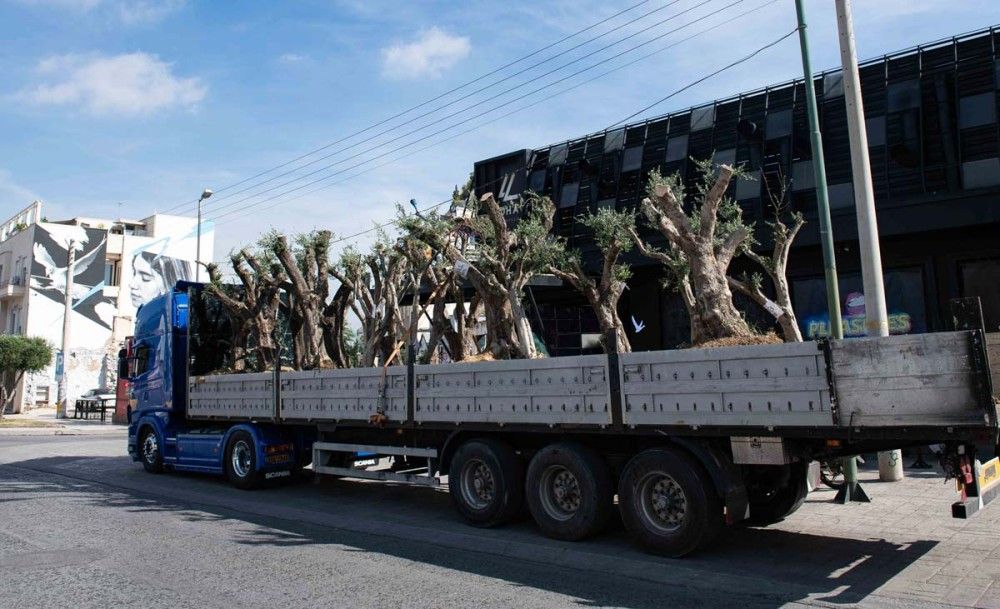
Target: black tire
241 461
774 505
486 482
150 451
569 490
668 503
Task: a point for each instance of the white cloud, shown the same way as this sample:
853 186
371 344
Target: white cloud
130 84
139 12
128 12
292 58
433 52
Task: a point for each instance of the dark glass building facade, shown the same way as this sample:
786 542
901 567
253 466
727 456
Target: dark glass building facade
934 142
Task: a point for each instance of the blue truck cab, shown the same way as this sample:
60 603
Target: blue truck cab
161 436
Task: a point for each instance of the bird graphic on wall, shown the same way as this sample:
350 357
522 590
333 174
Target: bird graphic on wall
56 273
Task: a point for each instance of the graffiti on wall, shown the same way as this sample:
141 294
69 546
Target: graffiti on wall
49 277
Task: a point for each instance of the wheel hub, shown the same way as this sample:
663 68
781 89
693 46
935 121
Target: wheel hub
149 448
477 484
241 459
664 501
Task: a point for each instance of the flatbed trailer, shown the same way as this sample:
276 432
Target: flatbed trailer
687 440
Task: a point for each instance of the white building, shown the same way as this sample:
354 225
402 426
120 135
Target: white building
119 265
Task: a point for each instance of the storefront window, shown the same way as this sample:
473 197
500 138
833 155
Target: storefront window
981 278
904 293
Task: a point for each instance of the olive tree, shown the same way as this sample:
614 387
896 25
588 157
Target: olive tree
19 354
252 310
614 235
702 244
784 227
501 264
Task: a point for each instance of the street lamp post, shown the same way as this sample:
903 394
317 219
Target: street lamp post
197 255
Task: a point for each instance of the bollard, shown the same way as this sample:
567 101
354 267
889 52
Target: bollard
890 466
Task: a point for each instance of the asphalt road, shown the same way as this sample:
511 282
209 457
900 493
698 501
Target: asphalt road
82 526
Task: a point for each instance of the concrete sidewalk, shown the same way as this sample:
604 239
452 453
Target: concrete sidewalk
43 422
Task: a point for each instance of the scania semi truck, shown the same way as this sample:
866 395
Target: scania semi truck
681 442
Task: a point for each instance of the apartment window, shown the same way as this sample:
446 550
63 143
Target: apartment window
570 192
112 272
979 279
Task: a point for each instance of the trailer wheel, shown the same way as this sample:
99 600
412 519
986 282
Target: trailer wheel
486 482
241 461
570 491
152 454
768 506
668 504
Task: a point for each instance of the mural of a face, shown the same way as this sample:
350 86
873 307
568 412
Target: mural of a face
146 285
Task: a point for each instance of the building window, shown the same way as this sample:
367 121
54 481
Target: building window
977 110
677 148
980 174
702 118
614 140
632 158
979 279
875 126
748 187
841 195
904 294
558 154
803 176
725 157
570 192
833 85
112 272
779 124
903 95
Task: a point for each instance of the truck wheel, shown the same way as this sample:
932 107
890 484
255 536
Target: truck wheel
152 455
769 506
668 503
569 490
241 461
486 482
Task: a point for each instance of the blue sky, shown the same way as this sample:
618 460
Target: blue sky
146 102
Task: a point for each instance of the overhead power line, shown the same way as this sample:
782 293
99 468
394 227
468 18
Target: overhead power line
455 113
234 213
452 115
641 111
448 92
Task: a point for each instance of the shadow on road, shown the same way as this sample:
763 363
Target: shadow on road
771 567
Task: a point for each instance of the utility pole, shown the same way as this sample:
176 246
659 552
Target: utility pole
819 174
62 406
851 491
890 463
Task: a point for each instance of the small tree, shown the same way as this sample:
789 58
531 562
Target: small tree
19 354
307 267
500 266
253 311
702 243
614 235
776 266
